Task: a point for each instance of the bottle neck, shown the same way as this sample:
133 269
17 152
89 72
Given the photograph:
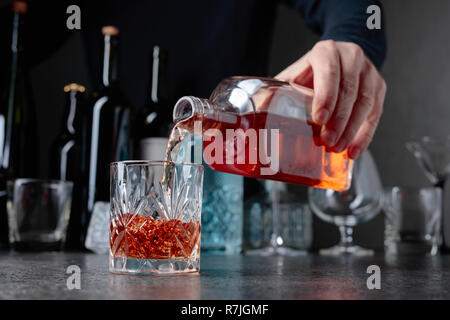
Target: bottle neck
17 44
158 72
71 112
16 71
17 33
188 107
109 74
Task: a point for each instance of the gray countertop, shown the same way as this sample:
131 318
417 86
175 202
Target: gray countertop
43 276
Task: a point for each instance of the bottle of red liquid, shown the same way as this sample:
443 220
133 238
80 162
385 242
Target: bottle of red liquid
262 128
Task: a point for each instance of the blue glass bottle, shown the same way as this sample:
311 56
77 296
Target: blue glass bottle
222 213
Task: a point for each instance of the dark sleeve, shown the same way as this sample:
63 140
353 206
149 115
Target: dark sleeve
345 20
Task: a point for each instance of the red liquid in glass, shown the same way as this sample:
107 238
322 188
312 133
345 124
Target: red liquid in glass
139 237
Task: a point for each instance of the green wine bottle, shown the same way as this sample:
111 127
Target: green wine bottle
18 134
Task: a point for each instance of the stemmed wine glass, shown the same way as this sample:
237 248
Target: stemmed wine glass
433 156
360 203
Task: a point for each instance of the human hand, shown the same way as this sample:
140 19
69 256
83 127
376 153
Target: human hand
348 93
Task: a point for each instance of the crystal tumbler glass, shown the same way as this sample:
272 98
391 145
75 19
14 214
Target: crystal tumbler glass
155 217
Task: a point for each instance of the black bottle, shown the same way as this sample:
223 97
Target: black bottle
18 134
108 125
154 119
68 161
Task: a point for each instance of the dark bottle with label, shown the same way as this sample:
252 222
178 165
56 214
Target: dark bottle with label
154 120
109 125
18 134
68 161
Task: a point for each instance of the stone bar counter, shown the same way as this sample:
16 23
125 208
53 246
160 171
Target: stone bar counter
47 276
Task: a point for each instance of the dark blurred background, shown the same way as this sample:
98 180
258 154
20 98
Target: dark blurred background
416 71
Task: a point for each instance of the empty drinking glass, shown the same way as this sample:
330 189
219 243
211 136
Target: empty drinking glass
155 217
38 213
277 221
346 209
413 218
433 156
